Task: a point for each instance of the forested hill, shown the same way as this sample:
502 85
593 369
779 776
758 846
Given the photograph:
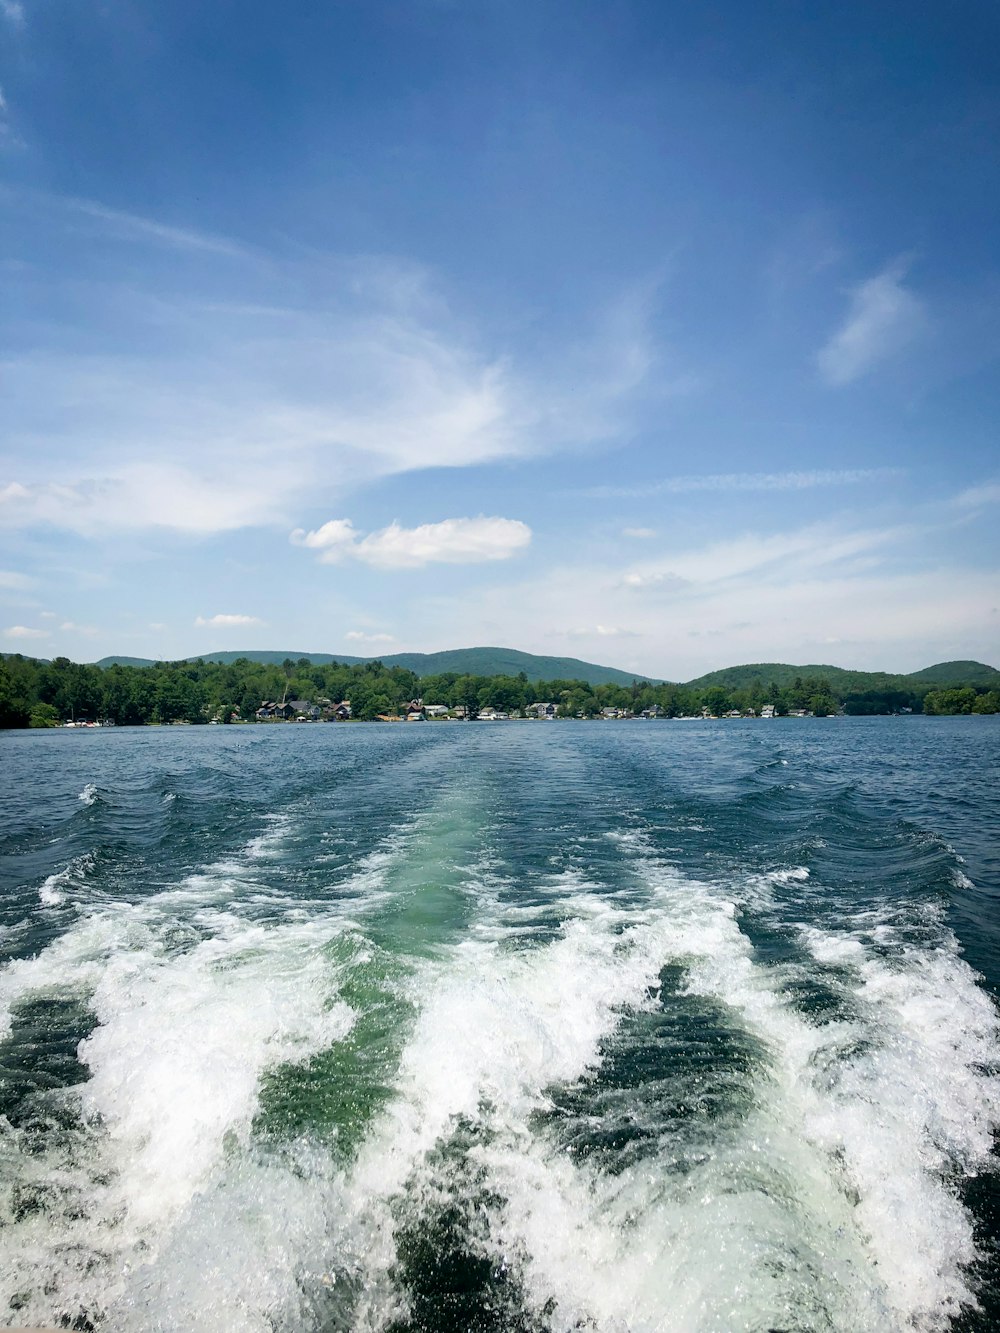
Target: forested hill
510 662
957 673
843 680
47 694
462 661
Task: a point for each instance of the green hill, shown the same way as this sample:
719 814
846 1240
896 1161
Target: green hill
125 661
842 679
510 662
252 655
957 673
785 673
463 661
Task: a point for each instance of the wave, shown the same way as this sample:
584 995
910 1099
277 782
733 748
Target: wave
53 891
580 1093
829 1198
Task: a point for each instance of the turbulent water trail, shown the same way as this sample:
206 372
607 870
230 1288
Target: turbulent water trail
538 1029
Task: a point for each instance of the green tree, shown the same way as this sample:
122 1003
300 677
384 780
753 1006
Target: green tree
44 715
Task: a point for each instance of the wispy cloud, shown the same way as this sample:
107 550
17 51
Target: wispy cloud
71 627
742 481
883 318
600 632
13 12
360 636
372 375
25 632
8 136
761 596
9 578
453 541
639 534
975 496
819 546
142 496
225 620
139 228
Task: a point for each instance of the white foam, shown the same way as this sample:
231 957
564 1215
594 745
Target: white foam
193 1005
826 1203
794 875
829 1202
494 1030
176 1061
89 794
917 1106
54 889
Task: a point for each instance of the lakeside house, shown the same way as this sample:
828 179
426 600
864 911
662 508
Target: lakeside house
298 710
303 710
545 711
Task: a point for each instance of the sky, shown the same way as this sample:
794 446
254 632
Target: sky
661 335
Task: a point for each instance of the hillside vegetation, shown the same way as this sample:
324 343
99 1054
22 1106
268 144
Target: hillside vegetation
463 661
511 662
844 679
43 694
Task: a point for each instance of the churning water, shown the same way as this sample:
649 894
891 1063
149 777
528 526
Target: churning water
625 1026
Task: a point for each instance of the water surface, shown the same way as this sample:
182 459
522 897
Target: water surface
603 1026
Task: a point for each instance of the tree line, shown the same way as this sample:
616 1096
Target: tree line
44 694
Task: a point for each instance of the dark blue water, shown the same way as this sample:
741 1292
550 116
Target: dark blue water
526 1026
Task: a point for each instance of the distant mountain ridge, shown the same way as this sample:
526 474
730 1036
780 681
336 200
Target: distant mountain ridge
844 679
510 662
463 661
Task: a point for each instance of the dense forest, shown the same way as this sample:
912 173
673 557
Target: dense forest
46 694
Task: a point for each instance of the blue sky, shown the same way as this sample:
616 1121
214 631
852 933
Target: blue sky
656 334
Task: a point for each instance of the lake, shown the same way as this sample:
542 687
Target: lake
514 1026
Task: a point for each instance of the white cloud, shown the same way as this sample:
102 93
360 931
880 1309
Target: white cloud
601 632
227 621
143 496
336 537
370 376
989 493
73 628
884 317
359 636
761 597
761 556
25 632
744 481
640 534
11 579
453 541
131 225
13 12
